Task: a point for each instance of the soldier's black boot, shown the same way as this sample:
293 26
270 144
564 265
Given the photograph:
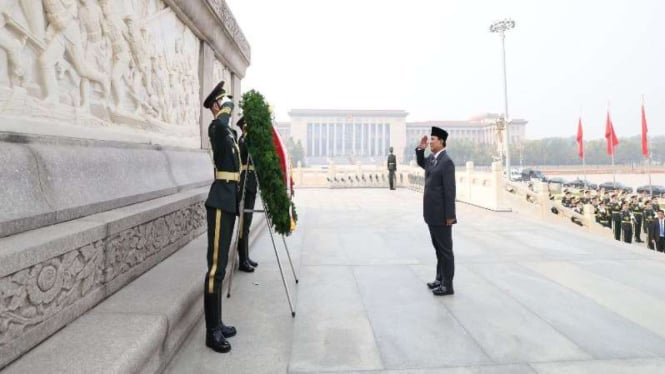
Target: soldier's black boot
214 335
227 331
243 264
246 249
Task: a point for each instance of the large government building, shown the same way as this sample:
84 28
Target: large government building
350 136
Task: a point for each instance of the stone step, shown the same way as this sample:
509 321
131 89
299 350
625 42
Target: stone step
140 327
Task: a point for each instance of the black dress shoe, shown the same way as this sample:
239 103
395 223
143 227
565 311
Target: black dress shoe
228 331
433 285
639 241
246 267
216 341
252 262
443 291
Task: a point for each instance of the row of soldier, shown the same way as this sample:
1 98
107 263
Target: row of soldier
627 215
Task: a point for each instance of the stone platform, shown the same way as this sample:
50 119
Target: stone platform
531 297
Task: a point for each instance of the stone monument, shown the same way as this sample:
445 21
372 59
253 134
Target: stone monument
103 147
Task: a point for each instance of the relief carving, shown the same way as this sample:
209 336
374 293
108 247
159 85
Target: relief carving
99 63
224 13
131 247
31 296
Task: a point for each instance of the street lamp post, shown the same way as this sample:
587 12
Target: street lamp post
501 27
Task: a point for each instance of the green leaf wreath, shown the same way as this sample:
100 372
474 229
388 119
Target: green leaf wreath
264 154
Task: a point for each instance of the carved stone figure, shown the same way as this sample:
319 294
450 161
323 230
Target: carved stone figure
139 51
96 50
64 35
13 49
116 34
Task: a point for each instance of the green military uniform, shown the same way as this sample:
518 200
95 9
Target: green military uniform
638 211
603 217
221 209
392 167
627 225
248 184
615 209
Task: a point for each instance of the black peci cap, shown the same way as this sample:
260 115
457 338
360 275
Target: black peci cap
439 133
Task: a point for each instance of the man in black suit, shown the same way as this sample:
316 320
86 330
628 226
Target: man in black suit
221 209
658 232
439 207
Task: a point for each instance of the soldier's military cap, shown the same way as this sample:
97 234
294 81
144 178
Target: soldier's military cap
241 122
439 133
217 93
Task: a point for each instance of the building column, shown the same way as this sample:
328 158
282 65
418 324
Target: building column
334 150
320 153
362 139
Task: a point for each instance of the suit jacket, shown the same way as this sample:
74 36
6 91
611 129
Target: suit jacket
655 230
439 196
224 194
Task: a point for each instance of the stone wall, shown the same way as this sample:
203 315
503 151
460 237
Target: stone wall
50 276
103 165
127 70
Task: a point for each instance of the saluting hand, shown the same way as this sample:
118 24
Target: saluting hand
423 142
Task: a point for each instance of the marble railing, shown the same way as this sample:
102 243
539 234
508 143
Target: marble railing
483 189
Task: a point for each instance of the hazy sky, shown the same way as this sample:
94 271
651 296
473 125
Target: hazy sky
437 59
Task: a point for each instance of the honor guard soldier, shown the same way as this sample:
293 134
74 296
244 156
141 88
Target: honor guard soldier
638 211
627 223
221 210
392 167
615 210
603 216
654 204
248 184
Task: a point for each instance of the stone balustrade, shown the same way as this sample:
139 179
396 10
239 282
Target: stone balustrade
483 189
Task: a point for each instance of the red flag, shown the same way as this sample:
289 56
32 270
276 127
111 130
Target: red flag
610 135
645 144
580 139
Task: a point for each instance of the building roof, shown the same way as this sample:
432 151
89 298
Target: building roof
346 112
481 120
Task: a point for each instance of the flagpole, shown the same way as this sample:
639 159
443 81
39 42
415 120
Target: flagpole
586 183
648 148
649 172
614 170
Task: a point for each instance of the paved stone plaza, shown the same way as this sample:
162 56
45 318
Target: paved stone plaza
531 297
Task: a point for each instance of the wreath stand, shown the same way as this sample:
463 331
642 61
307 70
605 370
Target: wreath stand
272 239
